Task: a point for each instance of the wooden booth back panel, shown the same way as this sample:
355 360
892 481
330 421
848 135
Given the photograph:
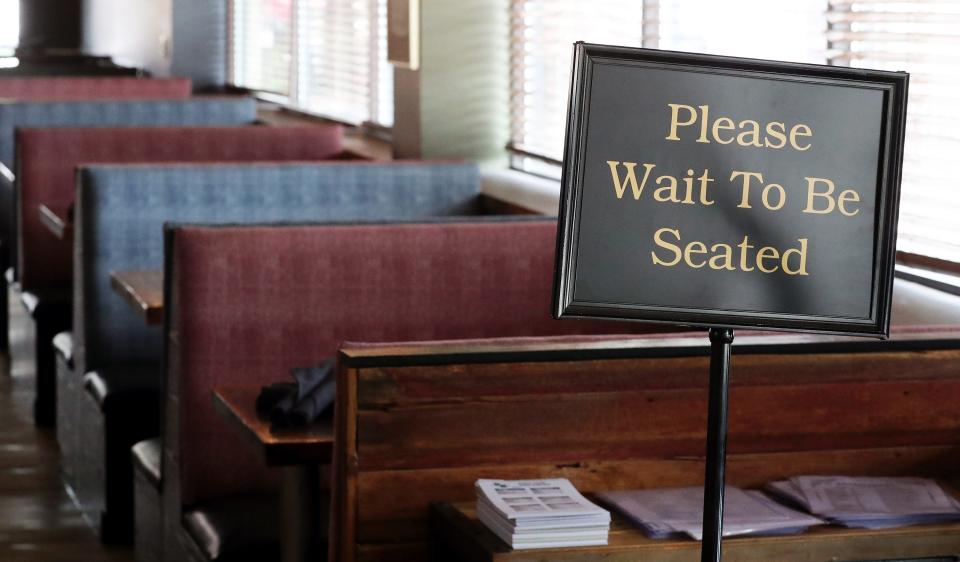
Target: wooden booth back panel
408 436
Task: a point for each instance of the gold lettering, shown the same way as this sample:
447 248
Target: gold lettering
694 248
705 179
723 124
812 193
667 193
620 186
767 252
675 115
800 130
848 195
659 241
801 253
744 246
781 197
753 132
745 189
778 131
688 183
704 118
722 260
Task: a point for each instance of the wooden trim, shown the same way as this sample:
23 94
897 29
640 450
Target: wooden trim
343 523
294 447
143 291
59 226
928 262
516 151
679 345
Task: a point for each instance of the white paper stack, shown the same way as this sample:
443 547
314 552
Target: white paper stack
676 512
547 513
869 502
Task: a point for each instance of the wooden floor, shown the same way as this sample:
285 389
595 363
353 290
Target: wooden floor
38 520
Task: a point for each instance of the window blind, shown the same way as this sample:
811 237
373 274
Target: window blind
343 69
9 26
791 31
542 37
327 57
262 45
920 37
543 31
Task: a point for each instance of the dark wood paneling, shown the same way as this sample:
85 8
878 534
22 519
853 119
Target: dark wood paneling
416 434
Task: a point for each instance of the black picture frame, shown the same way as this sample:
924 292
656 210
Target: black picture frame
893 84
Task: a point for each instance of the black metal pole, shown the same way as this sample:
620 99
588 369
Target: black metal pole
715 473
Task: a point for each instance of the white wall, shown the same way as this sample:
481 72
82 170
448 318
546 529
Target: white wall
166 37
133 32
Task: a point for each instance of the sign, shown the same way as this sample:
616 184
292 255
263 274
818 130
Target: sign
726 192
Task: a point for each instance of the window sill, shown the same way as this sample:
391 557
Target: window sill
521 189
356 139
947 282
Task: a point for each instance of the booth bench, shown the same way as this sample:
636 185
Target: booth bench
245 305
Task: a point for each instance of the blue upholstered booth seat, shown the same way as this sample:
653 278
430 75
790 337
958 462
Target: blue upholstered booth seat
119 219
121 211
197 111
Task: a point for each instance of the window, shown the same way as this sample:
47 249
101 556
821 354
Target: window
923 39
543 32
9 26
263 45
326 57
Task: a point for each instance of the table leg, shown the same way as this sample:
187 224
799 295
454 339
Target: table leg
304 514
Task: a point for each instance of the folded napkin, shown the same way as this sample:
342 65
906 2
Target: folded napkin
299 403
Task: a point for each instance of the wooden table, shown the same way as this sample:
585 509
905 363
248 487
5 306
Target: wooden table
299 453
460 536
57 221
279 448
143 290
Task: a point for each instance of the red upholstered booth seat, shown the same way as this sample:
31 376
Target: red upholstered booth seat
247 304
47 160
93 88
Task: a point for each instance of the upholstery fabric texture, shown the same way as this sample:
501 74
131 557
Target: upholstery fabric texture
48 158
198 111
121 210
247 304
93 88
118 113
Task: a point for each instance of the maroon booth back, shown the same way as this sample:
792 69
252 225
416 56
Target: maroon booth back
47 160
247 304
92 88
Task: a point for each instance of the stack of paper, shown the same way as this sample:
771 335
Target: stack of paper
871 503
675 512
540 513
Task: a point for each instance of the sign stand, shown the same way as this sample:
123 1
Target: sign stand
715 473
662 221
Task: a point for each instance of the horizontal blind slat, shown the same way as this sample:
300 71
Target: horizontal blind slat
919 36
